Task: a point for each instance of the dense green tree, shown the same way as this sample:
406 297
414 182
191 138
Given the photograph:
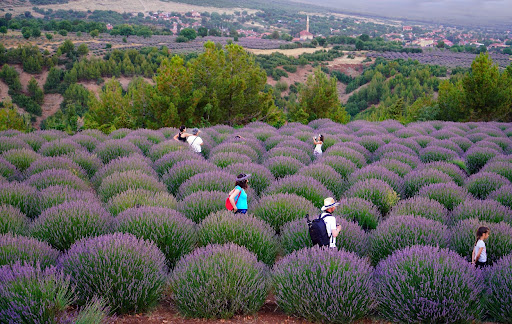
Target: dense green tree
189 33
11 77
82 49
36 32
35 91
488 93
452 101
53 81
94 33
202 31
11 119
48 36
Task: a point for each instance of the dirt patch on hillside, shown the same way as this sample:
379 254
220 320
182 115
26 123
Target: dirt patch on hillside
295 52
50 106
4 96
300 76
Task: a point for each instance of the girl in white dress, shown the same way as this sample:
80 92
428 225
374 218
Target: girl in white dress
318 148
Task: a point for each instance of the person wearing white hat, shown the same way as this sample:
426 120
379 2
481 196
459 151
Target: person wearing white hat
330 221
195 141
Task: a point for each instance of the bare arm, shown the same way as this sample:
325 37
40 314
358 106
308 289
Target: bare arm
336 232
316 143
232 197
175 137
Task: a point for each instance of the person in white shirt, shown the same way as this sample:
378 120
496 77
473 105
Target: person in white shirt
318 141
195 141
330 221
479 257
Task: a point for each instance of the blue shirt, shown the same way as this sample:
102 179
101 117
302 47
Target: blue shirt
242 200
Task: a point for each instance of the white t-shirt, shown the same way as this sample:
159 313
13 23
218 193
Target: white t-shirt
330 224
318 149
195 142
483 255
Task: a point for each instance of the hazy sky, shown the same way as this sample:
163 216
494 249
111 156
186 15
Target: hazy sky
455 11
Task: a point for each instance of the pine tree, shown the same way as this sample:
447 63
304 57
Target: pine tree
35 92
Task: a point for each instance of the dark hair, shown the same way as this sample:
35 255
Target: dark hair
480 232
241 183
321 138
182 128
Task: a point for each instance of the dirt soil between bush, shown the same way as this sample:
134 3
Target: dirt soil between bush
268 314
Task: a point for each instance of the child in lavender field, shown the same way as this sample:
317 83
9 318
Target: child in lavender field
318 141
479 256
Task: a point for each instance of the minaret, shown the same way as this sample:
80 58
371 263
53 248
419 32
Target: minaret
307 24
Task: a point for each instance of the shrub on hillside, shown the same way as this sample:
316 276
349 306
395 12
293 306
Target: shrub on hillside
360 211
58 162
417 179
282 166
122 181
129 273
463 238
174 234
60 147
22 196
28 250
21 158
12 220
219 281
140 197
245 230
435 276
342 165
376 191
477 157
401 231
485 210
306 187
421 206
261 177
503 195
63 225
282 208
208 181
113 149
30 294
57 177
499 282
341 291
184 170
123 164
483 183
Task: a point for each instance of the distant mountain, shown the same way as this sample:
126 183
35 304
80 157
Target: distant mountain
464 12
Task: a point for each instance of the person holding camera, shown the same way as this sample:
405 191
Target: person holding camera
318 141
333 229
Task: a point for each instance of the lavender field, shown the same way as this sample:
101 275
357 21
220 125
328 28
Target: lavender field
112 223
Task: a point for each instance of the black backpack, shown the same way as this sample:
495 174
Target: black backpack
318 230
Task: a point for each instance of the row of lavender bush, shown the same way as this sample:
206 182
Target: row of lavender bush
400 186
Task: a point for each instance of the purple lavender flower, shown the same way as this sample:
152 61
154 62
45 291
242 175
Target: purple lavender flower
341 291
12 143
21 158
261 177
503 195
448 194
140 197
57 177
306 187
200 204
381 173
297 154
377 191
424 283
342 165
57 162
122 181
394 148
113 149
395 166
167 162
282 166
123 164
236 148
26 249
60 147
485 210
184 170
412 160
22 196
483 183
450 169
208 181
88 161
477 157
8 170
356 157
421 206
128 272
499 279
12 220
165 147
415 180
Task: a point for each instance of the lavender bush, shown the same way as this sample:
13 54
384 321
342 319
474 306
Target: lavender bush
225 159
401 231
381 173
341 291
236 148
499 292
282 166
56 195
57 177
245 230
86 141
219 281
184 170
59 147
122 181
30 294
342 165
297 154
35 141
21 158
298 144
140 197
113 149
350 154
503 195
412 160
123 164
485 210
306 187
200 204
394 148
174 234
89 162
8 170
458 176
477 157
448 194
428 284
58 162
166 162
415 180
376 191
483 183
12 143
261 177
395 166
371 143
14 248
12 220
326 176
501 168
141 142
421 206
129 273
207 181
360 211
463 238
462 142
281 208
63 225
22 196
294 235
